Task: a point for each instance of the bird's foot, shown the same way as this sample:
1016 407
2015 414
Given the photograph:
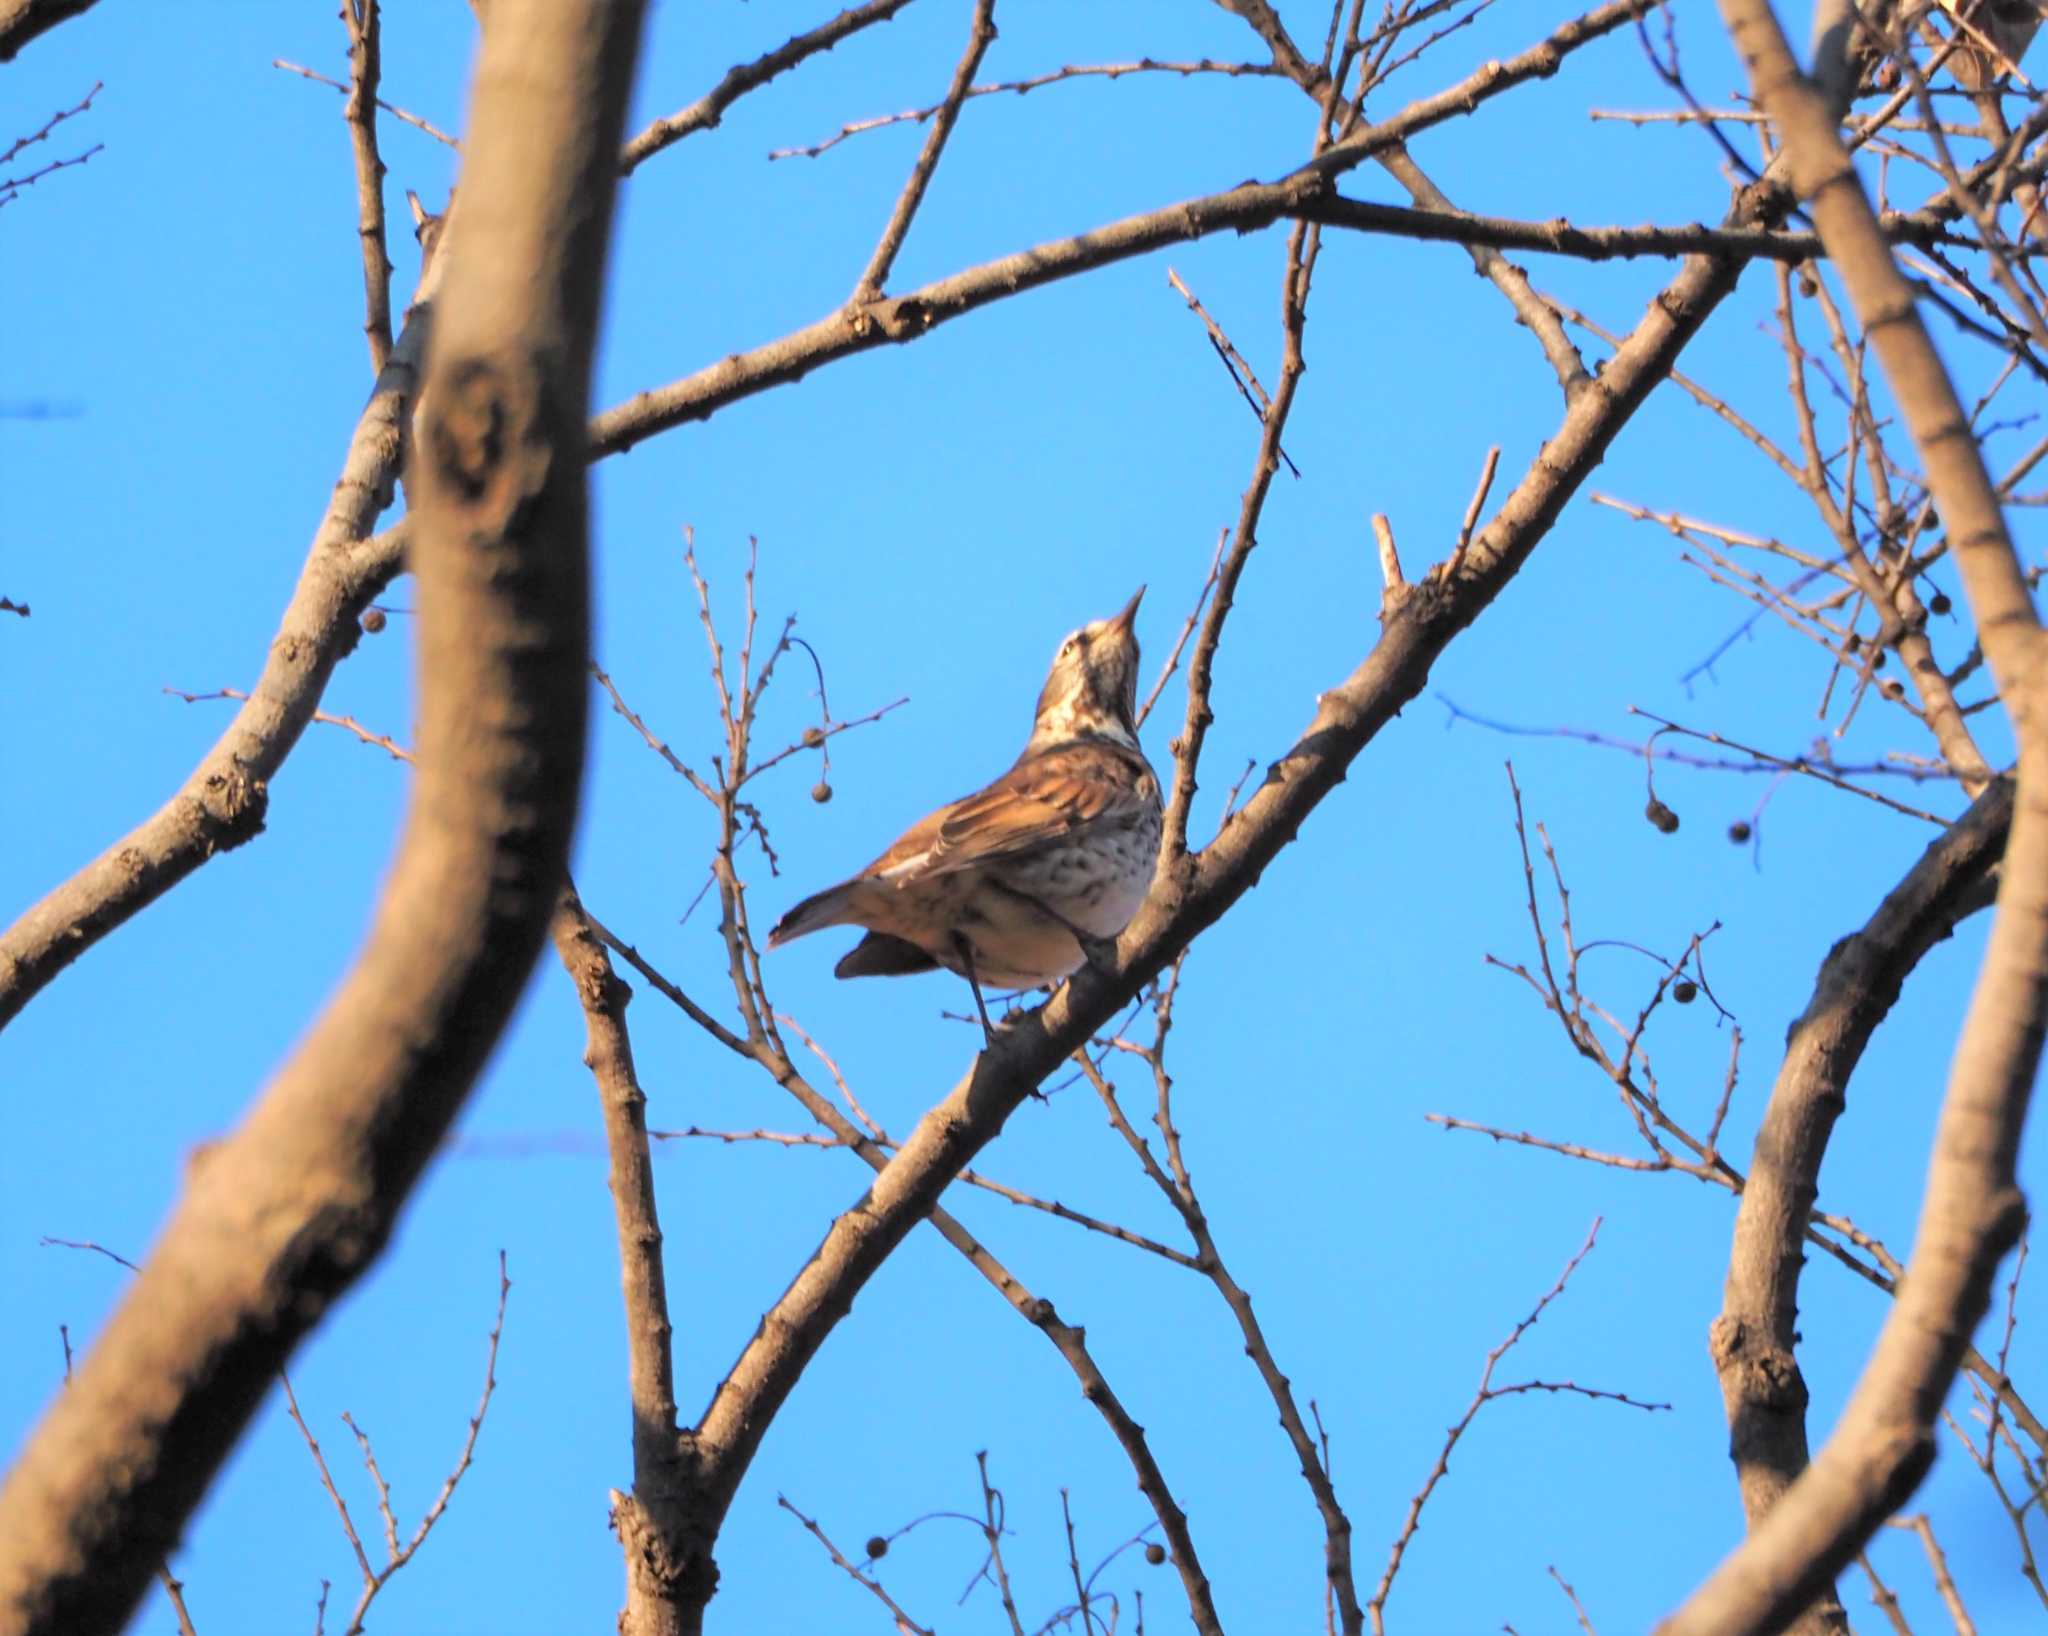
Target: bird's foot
1099 952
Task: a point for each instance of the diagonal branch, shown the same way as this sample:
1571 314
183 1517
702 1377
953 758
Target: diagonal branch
710 108
981 35
1532 312
221 803
1287 57
1070 74
1973 1211
1303 246
682 1554
22 20
1752 1340
916 313
1191 896
286 1214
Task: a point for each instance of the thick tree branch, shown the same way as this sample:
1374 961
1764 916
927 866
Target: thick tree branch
863 327
682 1550
1193 893
1287 57
22 20
284 1215
650 1515
1973 1211
221 804
1752 1340
1560 237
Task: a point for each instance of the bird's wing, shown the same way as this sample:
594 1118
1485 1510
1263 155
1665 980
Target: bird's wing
1044 798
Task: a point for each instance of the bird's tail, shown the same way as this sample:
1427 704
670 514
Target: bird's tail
830 907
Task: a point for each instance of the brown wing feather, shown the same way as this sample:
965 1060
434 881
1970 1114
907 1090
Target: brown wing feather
1042 799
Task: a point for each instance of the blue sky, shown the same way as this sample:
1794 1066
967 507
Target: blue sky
937 516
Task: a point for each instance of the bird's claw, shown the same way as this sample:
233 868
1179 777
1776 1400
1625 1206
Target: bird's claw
1100 953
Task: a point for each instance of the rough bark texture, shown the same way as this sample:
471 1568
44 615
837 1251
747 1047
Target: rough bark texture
281 1217
1752 1340
221 804
1194 890
1973 1211
649 1518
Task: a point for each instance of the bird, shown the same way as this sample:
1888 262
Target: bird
1021 883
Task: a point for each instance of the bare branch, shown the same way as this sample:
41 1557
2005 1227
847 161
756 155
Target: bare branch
903 1624
1472 510
1973 1211
1559 237
1752 1339
655 1603
1530 309
222 802
392 109
1951 1598
916 313
1303 245
710 108
11 186
1487 1392
1188 898
22 20
365 61
1057 76
715 1471
981 35
284 1215
1241 373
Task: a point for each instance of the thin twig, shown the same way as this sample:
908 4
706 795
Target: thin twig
981 35
395 112
1112 70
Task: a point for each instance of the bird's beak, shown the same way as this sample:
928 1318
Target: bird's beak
1129 617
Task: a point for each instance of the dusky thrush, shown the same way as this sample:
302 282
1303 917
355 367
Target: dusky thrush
1022 882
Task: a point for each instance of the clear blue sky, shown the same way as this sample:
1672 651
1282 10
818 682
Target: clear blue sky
937 516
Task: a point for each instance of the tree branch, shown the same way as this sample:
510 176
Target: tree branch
1973 1210
365 60
1190 897
1560 237
907 317
286 1214
22 20
1752 1340
981 34
710 108
221 803
651 1515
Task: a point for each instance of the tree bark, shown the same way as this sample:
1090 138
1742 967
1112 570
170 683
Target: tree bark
284 1215
1752 1340
1973 1211
23 20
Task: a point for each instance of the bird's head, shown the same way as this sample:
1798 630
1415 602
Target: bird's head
1092 690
